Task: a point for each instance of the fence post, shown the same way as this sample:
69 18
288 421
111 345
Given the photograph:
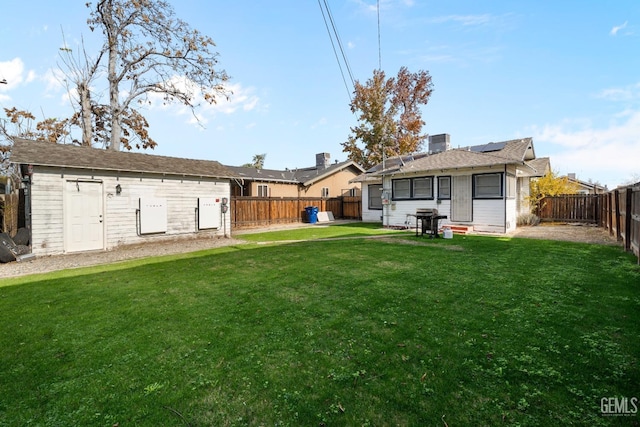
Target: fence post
628 217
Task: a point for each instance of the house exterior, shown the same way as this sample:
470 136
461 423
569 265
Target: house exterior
322 180
82 199
586 187
483 188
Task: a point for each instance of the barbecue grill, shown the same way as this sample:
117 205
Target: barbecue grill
428 219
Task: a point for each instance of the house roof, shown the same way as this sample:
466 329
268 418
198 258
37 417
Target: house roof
73 156
308 176
587 185
539 166
304 176
517 151
270 175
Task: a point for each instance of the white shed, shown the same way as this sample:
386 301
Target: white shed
82 199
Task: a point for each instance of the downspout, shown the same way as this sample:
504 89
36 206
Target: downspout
504 196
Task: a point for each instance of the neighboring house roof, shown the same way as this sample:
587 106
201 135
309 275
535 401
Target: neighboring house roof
308 176
539 166
72 156
589 186
304 176
517 151
270 175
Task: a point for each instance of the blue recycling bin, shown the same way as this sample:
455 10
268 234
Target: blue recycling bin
312 214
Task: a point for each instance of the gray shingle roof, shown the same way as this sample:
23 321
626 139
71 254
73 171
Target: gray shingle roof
271 175
72 156
512 152
305 176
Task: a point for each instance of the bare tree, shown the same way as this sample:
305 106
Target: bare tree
150 51
82 71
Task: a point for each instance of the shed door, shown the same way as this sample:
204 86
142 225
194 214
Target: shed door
83 213
461 199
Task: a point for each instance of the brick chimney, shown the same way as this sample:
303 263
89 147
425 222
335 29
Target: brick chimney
323 160
439 143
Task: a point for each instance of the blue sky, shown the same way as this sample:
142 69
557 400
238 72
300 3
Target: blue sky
566 73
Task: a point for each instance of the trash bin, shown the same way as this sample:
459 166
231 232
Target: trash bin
312 214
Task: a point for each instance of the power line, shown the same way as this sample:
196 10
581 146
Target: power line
337 37
379 50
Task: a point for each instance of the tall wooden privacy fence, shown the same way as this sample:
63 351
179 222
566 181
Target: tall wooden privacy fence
618 211
9 213
570 208
248 212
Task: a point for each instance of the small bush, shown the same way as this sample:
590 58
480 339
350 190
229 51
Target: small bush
528 219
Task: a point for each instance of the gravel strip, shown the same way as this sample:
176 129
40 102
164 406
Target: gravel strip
47 264
576 233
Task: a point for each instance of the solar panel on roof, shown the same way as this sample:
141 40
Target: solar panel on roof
487 148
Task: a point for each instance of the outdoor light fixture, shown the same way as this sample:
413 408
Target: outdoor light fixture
118 189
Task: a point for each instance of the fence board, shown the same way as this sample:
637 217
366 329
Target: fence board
248 212
569 208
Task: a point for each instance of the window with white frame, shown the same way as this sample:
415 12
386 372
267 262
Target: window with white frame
263 190
487 186
444 187
375 196
325 192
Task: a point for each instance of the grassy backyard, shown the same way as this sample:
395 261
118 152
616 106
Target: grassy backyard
391 330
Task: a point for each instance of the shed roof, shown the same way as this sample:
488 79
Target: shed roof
72 156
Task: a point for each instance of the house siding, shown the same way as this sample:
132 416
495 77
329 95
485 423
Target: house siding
489 215
369 215
337 183
47 213
120 217
276 189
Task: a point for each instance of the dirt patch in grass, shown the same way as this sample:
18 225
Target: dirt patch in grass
584 233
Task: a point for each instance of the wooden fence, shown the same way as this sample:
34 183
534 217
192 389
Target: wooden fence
248 212
570 208
9 213
617 211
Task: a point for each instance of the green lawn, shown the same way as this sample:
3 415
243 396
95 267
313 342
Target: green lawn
395 330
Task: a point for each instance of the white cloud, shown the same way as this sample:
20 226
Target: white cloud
12 71
465 20
241 98
614 30
627 93
608 154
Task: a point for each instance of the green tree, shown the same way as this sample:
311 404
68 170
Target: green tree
389 116
257 161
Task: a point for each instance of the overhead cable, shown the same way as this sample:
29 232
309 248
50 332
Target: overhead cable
326 13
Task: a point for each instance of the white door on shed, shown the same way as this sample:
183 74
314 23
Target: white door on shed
83 213
461 199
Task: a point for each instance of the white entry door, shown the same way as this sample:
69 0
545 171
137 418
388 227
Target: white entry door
84 228
461 199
